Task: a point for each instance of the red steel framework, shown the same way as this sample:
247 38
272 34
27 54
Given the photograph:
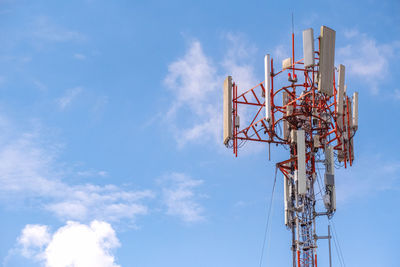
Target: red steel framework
306 108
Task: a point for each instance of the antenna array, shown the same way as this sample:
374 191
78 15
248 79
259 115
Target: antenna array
315 120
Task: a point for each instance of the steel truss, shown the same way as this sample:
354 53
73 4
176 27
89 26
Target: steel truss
303 107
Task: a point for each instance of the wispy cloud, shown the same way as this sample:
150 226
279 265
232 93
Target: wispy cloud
74 244
29 171
192 77
281 52
180 198
196 81
69 96
39 85
43 29
193 80
370 175
239 61
90 173
367 58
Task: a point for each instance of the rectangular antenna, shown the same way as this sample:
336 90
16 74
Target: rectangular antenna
326 61
340 88
286 63
345 119
267 62
301 163
308 47
227 110
355 111
340 96
331 188
330 176
285 122
351 148
329 160
286 196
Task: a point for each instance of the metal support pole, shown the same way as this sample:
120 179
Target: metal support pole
329 237
293 245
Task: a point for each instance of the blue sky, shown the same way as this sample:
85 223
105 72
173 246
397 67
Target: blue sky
110 141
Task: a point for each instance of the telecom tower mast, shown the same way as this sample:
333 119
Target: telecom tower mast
313 117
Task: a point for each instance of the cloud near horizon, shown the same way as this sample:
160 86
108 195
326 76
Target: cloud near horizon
30 171
74 244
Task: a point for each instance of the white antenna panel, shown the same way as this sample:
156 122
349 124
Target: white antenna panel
329 160
340 89
301 163
340 121
286 196
330 177
350 117
308 47
293 136
227 110
352 149
344 116
316 141
333 199
286 63
285 122
355 111
267 62
237 121
326 61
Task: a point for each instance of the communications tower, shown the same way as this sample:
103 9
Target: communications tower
313 117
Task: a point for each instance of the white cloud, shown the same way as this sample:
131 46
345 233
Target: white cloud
45 30
74 244
193 80
68 97
281 52
31 175
238 62
89 173
371 174
39 85
180 197
33 239
366 58
192 77
29 171
196 81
